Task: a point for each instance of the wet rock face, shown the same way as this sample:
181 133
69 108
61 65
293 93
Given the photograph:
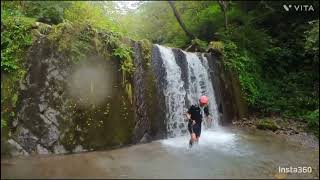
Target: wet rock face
26 139
142 123
50 120
224 86
39 108
158 120
149 107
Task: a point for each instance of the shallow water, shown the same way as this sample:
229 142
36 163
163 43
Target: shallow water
221 153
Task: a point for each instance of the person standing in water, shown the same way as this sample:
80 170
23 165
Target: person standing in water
195 116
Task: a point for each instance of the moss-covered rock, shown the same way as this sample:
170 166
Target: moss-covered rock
197 45
267 125
46 113
216 47
146 47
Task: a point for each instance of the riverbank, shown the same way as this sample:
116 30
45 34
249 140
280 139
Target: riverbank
289 129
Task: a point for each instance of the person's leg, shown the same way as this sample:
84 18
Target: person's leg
198 137
193 139
192 135
196 130
198 133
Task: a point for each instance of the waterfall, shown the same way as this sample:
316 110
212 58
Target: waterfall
213 107
174 93
183 88
200 84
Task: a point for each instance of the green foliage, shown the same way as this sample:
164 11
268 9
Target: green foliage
125 54
245 65
153 21
146 47
313 120
15 38
275 71
50 12
312 41
9 95
199 44
88 13
3 123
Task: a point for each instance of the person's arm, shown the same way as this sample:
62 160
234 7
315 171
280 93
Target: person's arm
207 114
206 111
188 114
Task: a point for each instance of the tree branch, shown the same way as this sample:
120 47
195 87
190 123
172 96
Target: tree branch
176 14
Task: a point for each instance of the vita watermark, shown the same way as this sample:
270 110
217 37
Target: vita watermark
296 170
298 7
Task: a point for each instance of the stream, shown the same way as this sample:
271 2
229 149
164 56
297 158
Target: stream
224 152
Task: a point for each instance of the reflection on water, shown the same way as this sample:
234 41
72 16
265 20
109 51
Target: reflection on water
221 153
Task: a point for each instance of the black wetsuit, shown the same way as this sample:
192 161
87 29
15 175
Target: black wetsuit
196 115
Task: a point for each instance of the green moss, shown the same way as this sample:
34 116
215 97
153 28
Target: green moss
125 54
267 125
100 126
146 47
216 46
71 40
199 45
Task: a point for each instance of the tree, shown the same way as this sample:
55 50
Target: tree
224 5
177 15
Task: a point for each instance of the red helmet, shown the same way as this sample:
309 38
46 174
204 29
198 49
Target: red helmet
203 100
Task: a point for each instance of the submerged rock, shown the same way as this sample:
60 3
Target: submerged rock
59 149
26 139
79 148
146 138
15 148
51 136
42 150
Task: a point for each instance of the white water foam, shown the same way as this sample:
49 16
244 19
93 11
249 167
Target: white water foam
210 140
174 92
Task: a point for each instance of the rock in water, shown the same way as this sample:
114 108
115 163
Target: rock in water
146 138
42 150
16 149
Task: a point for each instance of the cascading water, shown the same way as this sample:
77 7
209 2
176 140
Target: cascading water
181 92
200 84
174 92
213 108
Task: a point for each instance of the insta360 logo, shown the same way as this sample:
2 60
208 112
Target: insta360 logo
291 7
